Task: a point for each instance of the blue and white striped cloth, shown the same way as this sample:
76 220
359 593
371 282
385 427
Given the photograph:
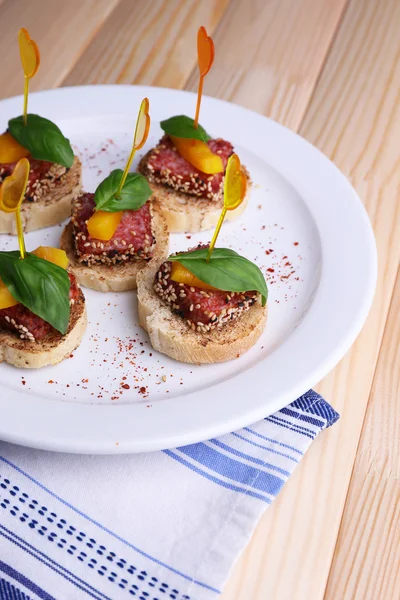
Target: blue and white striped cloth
158 526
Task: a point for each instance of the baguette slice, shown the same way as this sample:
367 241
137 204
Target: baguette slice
49 210
115 278
170 334
52 349
189 213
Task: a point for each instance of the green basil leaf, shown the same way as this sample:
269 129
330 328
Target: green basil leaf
43 139
226 270
135 192
38 284
182 126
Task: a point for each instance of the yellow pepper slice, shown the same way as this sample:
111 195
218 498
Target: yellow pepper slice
53 255
102 224
199 155
181 274
10 150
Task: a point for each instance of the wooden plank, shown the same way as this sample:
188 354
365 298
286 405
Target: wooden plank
353 117
62 31
151 43
367 557
269 55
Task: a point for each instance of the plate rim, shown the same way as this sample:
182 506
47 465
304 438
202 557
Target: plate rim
15 430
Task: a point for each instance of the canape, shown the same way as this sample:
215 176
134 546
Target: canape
201 310
42 308
186 169
55 173
109 240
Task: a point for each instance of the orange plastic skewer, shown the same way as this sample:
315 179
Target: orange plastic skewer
205 58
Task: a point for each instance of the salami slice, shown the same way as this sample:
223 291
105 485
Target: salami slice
203 310
166 166
133 238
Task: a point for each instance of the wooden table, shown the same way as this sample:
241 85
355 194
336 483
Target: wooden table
329 69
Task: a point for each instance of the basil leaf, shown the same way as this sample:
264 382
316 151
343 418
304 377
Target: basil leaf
182 127
226 270
135 192
43 139
38 284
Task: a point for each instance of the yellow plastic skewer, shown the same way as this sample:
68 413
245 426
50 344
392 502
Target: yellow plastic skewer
139 139
234 192
30 58
12 192
26 92
205 59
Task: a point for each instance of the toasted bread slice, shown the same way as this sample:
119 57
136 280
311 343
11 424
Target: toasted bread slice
53 208
50 350
171 335
120 277
189 213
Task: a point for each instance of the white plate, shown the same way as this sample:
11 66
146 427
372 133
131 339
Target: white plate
305 227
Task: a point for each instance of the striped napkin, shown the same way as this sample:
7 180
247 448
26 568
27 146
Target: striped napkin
157 526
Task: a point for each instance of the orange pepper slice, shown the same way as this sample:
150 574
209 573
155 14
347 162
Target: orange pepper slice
10 150
102 224
181 274
6 299
199 155
54 255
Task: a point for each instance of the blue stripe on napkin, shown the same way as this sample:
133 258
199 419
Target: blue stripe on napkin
8 591
233 469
